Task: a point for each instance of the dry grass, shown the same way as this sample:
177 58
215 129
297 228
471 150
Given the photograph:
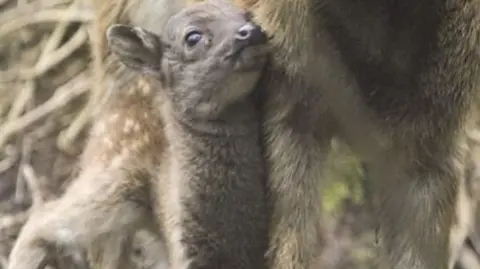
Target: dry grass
44 86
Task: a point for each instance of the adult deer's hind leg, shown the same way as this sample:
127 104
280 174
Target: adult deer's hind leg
417 198
296 154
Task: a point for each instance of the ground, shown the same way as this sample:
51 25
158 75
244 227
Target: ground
44 85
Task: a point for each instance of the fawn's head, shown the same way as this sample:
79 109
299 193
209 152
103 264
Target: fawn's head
208 55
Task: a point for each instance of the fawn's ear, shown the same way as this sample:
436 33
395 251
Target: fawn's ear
137 48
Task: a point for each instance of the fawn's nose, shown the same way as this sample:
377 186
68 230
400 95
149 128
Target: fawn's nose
250 35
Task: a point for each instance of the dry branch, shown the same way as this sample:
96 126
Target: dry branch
11 221
49 60
62 97
33 184
52 15
22 100
20 186
469 259
10 159
3 2
11 14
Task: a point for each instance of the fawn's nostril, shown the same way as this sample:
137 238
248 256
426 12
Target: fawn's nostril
243 34
252 34
245 31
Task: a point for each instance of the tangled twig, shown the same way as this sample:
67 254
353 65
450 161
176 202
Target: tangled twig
12 221
49 60
19 117
52 15
22 100
20 186
29 8
11 157
20 111
62 97
33 184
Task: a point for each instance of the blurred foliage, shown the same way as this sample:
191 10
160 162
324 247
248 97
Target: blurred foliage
344 179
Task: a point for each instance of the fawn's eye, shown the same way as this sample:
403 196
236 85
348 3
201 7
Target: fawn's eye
193 37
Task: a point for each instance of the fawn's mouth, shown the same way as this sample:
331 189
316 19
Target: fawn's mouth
247 51
248 57
236 53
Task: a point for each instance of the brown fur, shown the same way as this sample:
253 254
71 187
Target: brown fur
211 192
110 199
395 80
106 73
146 13
106 248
